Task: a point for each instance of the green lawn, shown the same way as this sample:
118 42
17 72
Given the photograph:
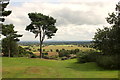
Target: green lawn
40 68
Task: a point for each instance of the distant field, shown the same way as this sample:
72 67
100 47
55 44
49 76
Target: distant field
54 47
41 68
67 47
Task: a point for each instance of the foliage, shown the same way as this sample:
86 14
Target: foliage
3 5
108 40
9 43
57 50
24 53
66 53
87 56
9 48
55 57
42 25
109 62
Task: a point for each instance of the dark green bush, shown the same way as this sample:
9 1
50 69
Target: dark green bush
55 57
24 53
87 56
109 62
64 58
34 56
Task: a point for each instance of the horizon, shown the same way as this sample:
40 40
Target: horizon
60 41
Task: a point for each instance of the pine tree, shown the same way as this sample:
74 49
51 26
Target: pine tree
9 43
42 25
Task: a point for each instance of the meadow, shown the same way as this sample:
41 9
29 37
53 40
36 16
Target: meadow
41 68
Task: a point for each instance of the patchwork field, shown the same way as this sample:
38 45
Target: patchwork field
67 47
41 68
54 47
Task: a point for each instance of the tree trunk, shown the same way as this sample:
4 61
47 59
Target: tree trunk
40 46
9 52
40 50
9 49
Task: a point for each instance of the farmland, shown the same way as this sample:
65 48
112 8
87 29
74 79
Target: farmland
41 68
59 47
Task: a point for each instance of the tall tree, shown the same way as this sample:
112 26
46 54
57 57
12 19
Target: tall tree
42 25
9 43
108 39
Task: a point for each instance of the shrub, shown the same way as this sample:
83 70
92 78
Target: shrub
87 56
64 58
55 57
23 53
109 62
33 56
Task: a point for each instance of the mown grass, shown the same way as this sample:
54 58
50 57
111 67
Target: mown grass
41 68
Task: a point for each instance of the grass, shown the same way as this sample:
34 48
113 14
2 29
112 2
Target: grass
41 68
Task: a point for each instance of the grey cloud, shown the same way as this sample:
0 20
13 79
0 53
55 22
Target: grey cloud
67 16
71 21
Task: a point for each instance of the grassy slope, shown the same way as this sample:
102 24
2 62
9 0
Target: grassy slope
37 68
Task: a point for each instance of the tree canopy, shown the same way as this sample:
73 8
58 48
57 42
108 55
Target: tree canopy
42 25
3 12
108 39
9 43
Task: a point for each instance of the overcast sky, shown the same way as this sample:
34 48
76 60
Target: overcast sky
76 19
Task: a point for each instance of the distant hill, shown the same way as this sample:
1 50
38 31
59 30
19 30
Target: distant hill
55 42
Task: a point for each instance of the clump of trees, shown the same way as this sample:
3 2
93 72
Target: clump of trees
107 42
67 53
88 56
10 47
41 25
24 53
9 43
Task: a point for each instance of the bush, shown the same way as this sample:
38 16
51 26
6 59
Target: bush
87 56
64 58
33 56
55 57
24 53
109 62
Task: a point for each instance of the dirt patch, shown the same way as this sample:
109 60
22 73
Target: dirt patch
33 70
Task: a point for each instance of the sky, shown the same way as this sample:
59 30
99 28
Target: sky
77 20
